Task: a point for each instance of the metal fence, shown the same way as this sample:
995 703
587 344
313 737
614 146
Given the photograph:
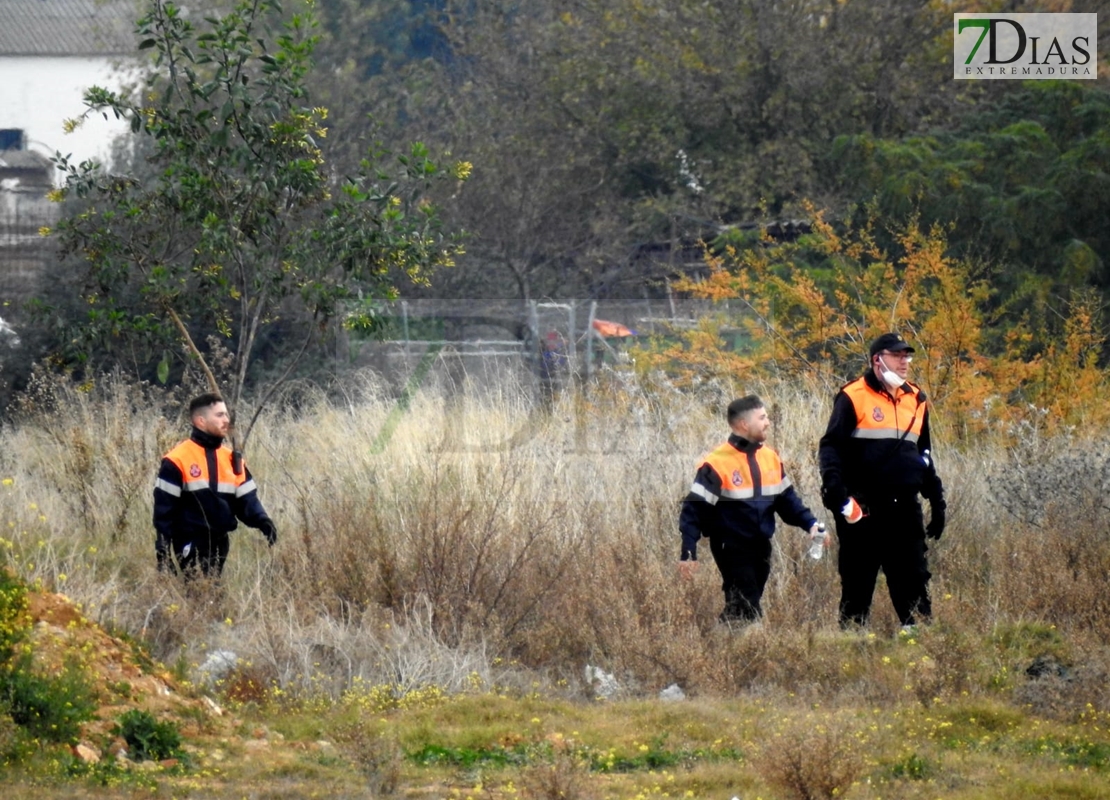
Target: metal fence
22 214
489 343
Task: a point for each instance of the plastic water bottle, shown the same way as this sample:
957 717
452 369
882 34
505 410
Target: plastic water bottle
817 549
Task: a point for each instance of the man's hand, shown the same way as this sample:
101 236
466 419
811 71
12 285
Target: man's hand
815 531
270 532
162 553
687 569
936 520
834 496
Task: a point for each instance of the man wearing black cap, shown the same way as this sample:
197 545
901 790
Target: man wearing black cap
875 460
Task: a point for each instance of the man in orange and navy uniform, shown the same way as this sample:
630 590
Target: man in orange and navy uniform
737 491
875 460
201 493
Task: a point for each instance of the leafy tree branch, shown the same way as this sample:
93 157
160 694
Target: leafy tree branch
240 225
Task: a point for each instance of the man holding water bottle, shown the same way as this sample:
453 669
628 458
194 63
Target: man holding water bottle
738 489
875 460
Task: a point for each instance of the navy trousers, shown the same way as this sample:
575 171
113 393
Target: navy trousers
745 563
891 538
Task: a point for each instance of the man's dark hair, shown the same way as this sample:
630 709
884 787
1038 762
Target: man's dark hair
201 402
741 406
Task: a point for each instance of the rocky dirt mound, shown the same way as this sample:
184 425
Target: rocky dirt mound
221 754
120 675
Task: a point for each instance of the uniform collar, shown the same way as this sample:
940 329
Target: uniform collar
206 440
742 444
873 382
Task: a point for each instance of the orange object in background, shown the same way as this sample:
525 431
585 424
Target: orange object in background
606 328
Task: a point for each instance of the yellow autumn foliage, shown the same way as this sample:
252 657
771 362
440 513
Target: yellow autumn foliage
810 307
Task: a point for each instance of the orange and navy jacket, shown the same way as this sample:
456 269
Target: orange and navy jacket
737 491
197 492
877 445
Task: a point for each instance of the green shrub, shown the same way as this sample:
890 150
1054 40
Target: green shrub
146 737
9 739
913 768
14 619
49 707
109 773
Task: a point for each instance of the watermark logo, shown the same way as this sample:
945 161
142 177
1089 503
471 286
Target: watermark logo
1025 46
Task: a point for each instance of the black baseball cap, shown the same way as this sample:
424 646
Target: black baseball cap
892 342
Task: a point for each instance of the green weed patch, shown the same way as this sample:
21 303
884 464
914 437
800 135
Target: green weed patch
1074 753
654 757
470 757
148 738
49 707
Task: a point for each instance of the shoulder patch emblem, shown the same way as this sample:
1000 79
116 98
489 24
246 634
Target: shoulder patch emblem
737 478
194 471
877 414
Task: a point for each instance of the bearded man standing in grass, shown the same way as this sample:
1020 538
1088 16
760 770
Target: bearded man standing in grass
737 490
200 495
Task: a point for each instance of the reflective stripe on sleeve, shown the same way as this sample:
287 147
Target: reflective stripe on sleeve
704 493
168 488
244 488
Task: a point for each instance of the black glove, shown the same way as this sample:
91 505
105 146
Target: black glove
833 497
162 552
270 532
936 520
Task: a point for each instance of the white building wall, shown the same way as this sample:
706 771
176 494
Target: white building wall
37 94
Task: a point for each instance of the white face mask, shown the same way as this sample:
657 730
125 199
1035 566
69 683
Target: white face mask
891 379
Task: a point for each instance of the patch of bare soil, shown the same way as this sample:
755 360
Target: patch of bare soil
123 678
225 755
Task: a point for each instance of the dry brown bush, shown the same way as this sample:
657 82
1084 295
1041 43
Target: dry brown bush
565 778
1065 688
483 535
378 757
813 757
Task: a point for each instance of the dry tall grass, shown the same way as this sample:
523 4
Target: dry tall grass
488 544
